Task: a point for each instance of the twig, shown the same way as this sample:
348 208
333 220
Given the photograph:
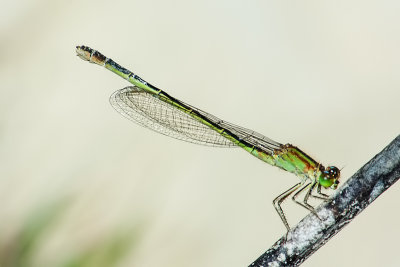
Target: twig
351 198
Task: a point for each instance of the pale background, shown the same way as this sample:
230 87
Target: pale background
321 75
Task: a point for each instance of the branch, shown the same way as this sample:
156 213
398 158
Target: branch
351 198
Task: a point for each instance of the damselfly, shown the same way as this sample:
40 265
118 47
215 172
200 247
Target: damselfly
153 108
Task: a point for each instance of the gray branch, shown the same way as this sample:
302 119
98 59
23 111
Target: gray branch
351 198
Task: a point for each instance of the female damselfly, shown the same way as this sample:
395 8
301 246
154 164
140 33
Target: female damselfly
153 108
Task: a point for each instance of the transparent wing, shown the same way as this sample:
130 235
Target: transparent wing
149 111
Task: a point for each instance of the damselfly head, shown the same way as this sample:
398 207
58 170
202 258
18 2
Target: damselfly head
330 177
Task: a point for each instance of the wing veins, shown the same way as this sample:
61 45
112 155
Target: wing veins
151 112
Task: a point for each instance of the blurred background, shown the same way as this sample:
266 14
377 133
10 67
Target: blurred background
83 186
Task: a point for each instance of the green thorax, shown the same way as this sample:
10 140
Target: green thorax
291 159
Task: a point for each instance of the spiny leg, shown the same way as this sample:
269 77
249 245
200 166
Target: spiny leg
279 199
308 194
305 204
320 194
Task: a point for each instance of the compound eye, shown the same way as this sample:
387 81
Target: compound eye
332 172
